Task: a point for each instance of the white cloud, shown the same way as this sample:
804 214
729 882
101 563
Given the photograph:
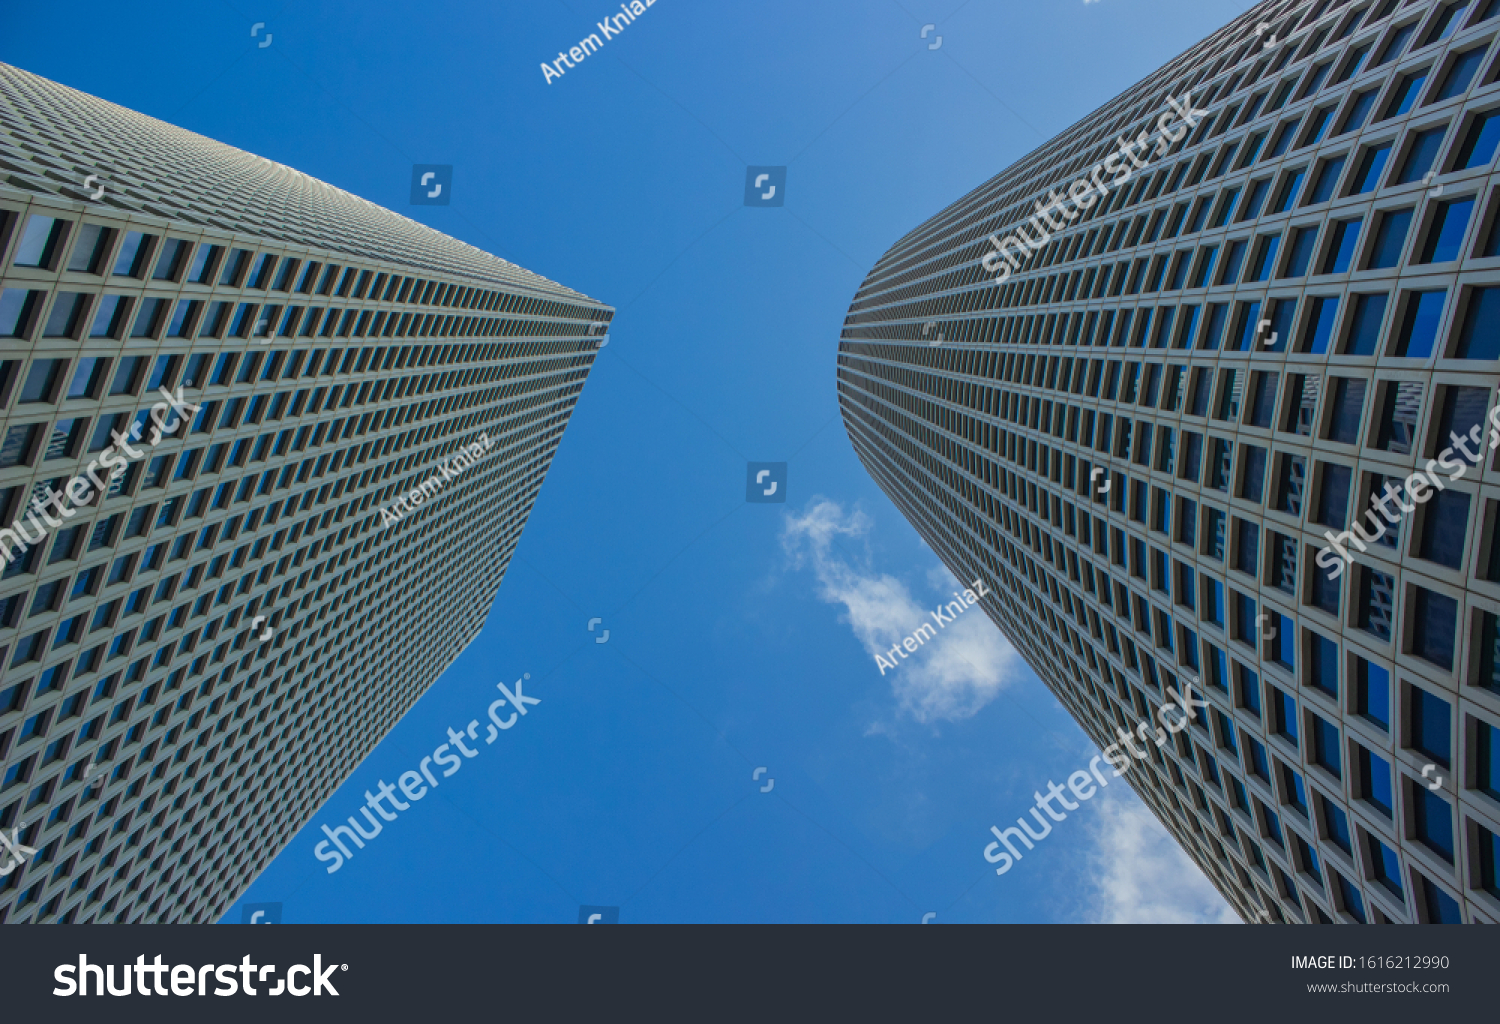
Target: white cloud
950 678
1142 876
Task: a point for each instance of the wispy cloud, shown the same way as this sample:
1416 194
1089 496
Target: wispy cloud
949 678
1142 876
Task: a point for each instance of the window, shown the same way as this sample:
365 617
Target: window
1480 336
1399 414
1325 742
1385 866
1417 336
1478 146
1376 603
1323 664
1430 726
1437 905
1359 110
1445 235
40 241
1265 258
1433 826
1390 239
1284 715
1420 155
1435 622
132 257
1333 495
1445 519
1336 826
1364 325
42 380
1343 239
1327 181
1300 254
1463 410
1373 692
1286 195
1348 405
1373 774
1404 97
1460 74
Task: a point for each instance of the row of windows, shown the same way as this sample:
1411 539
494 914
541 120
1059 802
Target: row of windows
116 252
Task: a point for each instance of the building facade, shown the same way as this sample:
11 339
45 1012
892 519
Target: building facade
266 450
1203 386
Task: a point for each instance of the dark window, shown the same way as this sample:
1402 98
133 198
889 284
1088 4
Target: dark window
1327 181
1333 495
1253 478
1325 742
1445 236
1430 726
1398 417
1405 95
1435 619
1364 324
1323 664
1343 240
1421 155
1263 400
1419 326
1376 603
1460 424
1460 74
1445 520
1370 166
1478 146
1348 404
1480 336
1247 552
1434 821
1390 239
1372 692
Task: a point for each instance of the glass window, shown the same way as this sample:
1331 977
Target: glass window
1373 692
1450 220
1480 336
1478 146
1390 239
40 241
1421 155
1435 620
1364 325
1404 97
1460 74
132 256
1431 720
1297 262
88 251
1434 821
1328 179
1374 775
1342 242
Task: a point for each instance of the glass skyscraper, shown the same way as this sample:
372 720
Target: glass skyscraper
266 450
1204 386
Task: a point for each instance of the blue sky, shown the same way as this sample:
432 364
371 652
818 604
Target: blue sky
740 635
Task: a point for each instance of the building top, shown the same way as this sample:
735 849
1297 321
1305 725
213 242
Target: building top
53 137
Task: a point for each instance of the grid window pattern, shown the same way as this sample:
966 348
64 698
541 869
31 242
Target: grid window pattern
1313 377
153 748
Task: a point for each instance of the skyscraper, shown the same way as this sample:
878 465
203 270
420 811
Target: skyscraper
1149 381
318 428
